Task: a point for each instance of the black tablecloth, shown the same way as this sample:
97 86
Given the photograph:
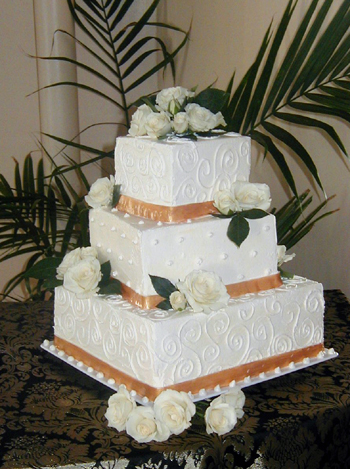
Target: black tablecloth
52 415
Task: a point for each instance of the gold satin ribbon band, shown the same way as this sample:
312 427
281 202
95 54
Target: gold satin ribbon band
162 213
234 290
221 378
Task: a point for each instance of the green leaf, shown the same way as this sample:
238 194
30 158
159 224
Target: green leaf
165 305
44 269
116 194
113 287
105 272
162 286
253 213
238 229
212 99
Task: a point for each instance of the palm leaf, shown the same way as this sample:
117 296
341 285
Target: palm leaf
115 40
313 78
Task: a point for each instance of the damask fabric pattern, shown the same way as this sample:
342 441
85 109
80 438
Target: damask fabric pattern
51 415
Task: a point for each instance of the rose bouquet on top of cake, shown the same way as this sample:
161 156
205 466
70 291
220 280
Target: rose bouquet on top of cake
179 112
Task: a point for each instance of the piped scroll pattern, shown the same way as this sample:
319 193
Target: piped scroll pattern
163 347
178 174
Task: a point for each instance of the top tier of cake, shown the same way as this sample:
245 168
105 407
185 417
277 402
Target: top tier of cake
180 172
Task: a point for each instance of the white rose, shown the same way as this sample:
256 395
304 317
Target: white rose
177 301
70 259
224 202
220 417
101 193
119 408
201 119
158 124
282 257
175 410
180 123
235 399
204 291
249 195
138 121
171 99
143 427
83 278
87 252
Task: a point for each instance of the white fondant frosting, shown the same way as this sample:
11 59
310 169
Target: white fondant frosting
167 347
180 172
174 250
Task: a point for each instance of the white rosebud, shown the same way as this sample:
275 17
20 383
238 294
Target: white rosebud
87 252
220 418
70 259
201 119
282 257
101 193
204 291
83 278
175 410
158 124
180 123
119 408
143 427
138 121
177 301
172 99
224 202
248 195
235 399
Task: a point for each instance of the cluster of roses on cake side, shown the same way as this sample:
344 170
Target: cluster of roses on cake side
171 414
173 113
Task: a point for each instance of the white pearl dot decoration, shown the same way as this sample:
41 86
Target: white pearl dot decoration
135 241
210 234
90 369
102 224
111 381
114 273
266 228
113 228
109 250
181 239
120 257
160 223
141 222
240 277
92 219
128 283
170 263
199 261
224 256
254 253
126 215
122 235
100 375
99 245
130 261
155 242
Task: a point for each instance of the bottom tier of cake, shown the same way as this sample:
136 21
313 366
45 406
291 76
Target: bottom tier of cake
153 350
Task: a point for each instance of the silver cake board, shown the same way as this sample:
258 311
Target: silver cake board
326 354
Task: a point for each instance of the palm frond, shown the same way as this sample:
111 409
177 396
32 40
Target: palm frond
313 78
120 46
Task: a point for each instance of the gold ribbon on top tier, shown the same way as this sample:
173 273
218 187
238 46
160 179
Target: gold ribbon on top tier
164 213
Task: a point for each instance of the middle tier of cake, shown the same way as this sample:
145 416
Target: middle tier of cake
138 248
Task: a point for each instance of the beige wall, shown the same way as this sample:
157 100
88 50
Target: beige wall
225 37
19 113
